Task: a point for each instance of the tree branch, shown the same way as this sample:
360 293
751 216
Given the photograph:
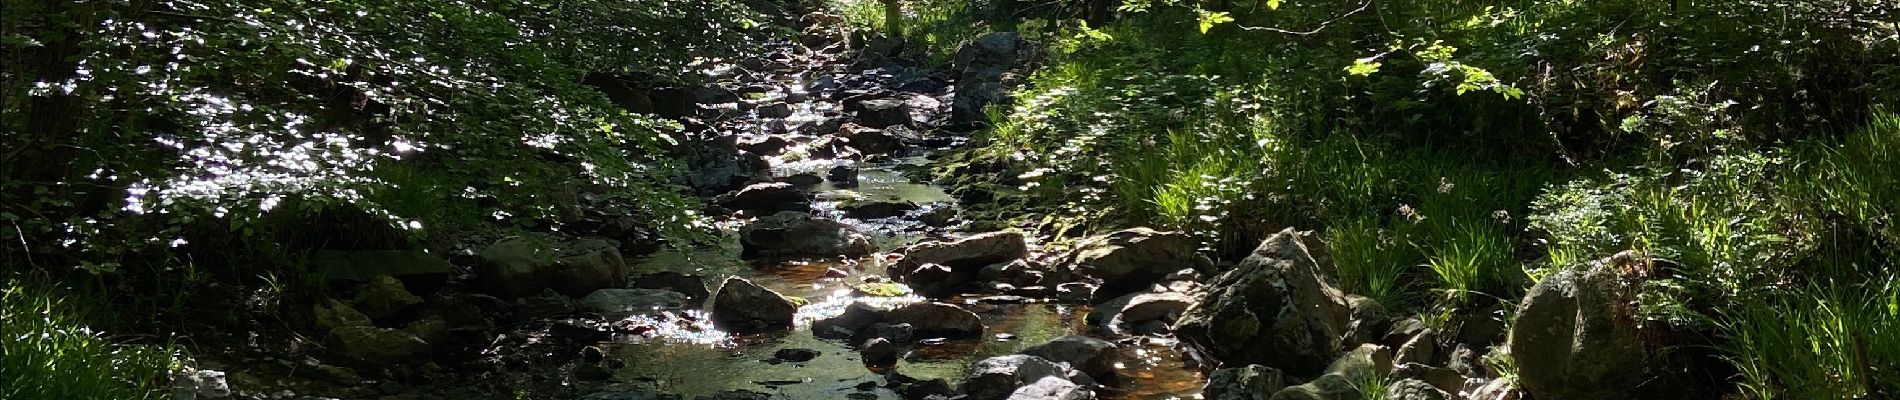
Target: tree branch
1363 6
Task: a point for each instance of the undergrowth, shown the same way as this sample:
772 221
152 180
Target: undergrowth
47 351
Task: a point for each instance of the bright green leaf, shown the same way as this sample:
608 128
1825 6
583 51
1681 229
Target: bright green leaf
1209 19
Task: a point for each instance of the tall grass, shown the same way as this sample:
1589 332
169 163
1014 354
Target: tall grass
49 354
1827 341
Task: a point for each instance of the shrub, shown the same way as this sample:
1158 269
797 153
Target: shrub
48 353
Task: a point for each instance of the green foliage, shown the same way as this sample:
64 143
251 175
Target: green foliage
46 352
1826 341
151 124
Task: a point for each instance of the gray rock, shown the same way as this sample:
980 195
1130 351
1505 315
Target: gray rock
801 234
856 320
1496 389
1125 313
1369 320
1278 308
384 297
193 384
713 164
766 198
775 110
938 320
880 352
1075 292
431 329
895 333
744 307
996 378
970 253
1019 272
1130 260
524 265
1444 379
334 314
379 345
1091 356
1343 378
891 139
620 303
1577 334
1252 382
1413 389
882 113
693 286
934 280
736 394
1052 388
984 73
873 209
1422 349
939 216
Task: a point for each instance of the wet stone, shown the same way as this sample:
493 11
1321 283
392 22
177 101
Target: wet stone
796 355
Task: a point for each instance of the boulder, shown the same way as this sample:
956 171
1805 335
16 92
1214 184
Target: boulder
938 320
1422 349
766 198
620 303
968 253
983 69
1579 337
192 384
1124 314
693 286
744 307
1368 322
871 209
1052 388
433 330
712 164
775 110
1413 389
379 345
935 280
334 314
801 234
843 176
891 139
1130 260
587 264
1442 378
384 297
1252 382
1091 356
880 352
995 378
523 265
883 113
1019 272
1278 308
1344 377
856 319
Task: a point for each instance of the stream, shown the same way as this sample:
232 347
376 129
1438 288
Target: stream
693 359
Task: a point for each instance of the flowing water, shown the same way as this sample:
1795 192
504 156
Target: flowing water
701 361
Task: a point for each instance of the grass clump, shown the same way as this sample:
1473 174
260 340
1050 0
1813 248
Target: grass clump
50 354
1825 341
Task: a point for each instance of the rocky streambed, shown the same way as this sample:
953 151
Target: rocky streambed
842 273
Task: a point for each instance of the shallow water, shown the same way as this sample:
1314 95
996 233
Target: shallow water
698 361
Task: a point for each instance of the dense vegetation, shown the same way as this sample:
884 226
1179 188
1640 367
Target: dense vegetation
172 157
1452 153
169 158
